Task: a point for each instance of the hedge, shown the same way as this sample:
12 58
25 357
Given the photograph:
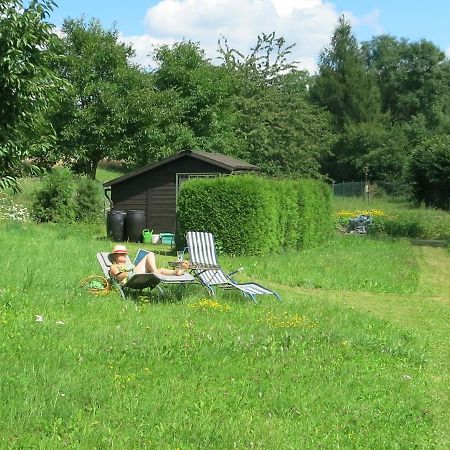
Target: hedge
253 215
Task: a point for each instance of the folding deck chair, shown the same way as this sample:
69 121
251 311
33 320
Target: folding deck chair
203 259
141 280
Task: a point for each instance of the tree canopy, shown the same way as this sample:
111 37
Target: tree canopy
27 82
78 98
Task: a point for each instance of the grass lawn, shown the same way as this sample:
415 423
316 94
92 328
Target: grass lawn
355 356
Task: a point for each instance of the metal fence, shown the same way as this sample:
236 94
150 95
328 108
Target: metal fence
357 188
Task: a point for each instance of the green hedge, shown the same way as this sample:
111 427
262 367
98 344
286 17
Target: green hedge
252 215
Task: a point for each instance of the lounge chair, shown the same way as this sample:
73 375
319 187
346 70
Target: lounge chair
203 259
142 280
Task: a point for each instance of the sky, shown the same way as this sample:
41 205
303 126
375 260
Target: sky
308 24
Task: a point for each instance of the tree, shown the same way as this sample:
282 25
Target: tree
345 89
343 86
27 84
429 171
413 78
95 119
203 91
278 128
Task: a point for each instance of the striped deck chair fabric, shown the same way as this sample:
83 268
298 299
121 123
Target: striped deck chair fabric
202 252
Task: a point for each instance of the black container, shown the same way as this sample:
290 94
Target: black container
135 223
115 225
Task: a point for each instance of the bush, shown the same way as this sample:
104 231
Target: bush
253 215
429 172
65 198
55 201
421 223
89 202
239 211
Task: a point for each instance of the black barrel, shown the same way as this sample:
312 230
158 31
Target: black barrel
115 224
134 224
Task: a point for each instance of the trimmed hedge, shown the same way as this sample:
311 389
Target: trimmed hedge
252 215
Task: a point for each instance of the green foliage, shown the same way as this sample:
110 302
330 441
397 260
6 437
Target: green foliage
429 171
89 201
343 86
252 215
413 78
239 210
395 219
55 201
105 114
418 223
277 127
315 211
27 84
65 198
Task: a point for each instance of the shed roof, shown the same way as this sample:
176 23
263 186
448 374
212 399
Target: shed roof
217 159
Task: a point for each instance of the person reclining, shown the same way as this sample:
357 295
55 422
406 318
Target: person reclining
121 271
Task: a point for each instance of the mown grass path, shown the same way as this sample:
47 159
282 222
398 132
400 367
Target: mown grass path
426 312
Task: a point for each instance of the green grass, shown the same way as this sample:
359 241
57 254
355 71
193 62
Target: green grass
107 173
326 368
350 262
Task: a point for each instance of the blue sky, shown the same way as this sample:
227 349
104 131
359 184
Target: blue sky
308 23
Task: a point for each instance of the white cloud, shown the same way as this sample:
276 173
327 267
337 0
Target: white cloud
370 20
143 46
307 23
447 52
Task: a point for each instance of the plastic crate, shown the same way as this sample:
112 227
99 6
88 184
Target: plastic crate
167 238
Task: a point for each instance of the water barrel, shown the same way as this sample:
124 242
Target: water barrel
135 223
115 223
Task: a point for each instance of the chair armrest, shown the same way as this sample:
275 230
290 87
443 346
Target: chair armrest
236 271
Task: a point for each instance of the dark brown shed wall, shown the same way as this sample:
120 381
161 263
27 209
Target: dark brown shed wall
155 191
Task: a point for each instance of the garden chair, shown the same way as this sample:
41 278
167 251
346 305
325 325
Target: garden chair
204 264
141 280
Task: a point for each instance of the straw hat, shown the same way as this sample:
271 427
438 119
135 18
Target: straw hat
118 250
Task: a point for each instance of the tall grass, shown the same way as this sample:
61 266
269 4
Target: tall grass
350 262
80 371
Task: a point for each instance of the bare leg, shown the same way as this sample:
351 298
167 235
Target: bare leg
148 265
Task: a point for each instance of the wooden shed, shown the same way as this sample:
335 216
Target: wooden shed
154 188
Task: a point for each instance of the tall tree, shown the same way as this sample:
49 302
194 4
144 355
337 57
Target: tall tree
413 78
342 85
95 120
278 128
204 92
345 89
27 85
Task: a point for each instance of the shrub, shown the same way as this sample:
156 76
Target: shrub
254 215
66 198
429 171
55 201
239 211
422 223
89 202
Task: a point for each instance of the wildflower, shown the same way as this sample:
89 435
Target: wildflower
39 318
11 211
210 304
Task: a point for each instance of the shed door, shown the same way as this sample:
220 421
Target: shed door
161 208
